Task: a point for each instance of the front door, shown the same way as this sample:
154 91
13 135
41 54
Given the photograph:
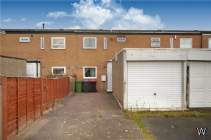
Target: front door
33 69
109 76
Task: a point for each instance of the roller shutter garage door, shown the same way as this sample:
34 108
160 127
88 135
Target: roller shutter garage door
155 85
200 84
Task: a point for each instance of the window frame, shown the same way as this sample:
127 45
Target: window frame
52 38
95 47
42 42
84 67
151 39
189 38
58 67
209 43
171 42
105 43
24 39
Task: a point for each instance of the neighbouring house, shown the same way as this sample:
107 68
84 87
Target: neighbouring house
87 54
12 66
162 79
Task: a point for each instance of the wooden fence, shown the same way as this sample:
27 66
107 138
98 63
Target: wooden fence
25 100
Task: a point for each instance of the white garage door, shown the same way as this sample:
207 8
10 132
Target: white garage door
200 84
155 85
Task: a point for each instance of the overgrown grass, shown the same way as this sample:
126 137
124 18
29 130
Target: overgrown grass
138 116
172 113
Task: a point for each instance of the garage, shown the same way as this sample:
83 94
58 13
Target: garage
154 85
162 79
200 84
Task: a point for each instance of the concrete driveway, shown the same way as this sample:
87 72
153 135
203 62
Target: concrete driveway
89 116
178 128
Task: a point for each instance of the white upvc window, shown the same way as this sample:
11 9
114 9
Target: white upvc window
58 42
155 42
42 42
24 39
209 43
89 72
89 42
121 39
171 42
185 42
58 70
105 43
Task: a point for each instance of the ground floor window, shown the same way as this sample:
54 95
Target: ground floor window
89 72
58 70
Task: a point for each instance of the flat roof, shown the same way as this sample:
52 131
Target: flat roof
165 54
12 57
102 31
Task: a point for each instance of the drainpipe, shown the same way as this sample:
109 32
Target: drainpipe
201 40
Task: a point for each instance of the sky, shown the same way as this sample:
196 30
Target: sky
106 14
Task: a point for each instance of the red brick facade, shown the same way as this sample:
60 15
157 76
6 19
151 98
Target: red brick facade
74 57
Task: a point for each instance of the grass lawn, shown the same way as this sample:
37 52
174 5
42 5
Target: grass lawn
137 118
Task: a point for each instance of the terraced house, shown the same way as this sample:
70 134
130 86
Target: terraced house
87 54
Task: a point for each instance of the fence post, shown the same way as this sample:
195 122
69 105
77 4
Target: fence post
54 85
27 102
5 110
1 110
34 111
41 86
17 95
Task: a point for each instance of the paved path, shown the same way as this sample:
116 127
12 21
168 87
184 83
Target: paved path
92 116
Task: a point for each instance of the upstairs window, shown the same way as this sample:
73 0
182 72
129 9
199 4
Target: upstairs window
155 42
209 43
171 42
105 43
121 39
185 42
89 72
24 39
42 42
58 42
58 70
89 42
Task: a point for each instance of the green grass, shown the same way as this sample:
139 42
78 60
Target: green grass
138 116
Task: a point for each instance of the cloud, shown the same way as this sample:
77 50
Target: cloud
91 15
73 27
47 23
106 14
7 20
136 19
57 14
23 19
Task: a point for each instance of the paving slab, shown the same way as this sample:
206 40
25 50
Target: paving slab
87 116
179 128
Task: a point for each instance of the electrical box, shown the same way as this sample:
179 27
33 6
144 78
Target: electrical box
103 78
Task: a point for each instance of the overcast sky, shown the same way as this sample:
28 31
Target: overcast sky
107 14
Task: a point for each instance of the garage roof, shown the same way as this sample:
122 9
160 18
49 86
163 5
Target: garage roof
165 54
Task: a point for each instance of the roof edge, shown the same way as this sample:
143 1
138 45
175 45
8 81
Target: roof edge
103 31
